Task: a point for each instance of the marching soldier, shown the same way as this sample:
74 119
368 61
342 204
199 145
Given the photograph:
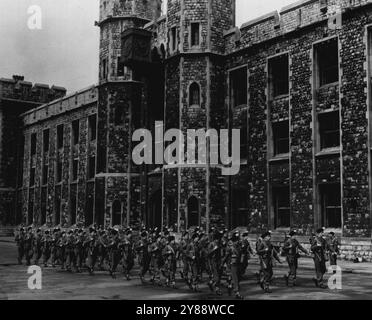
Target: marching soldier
79 250
318 248
114 249
232 259
37 246
144 257
291 249
103 254
157 261
46 247
91 245
246 253
170 261
69 245
193 254
128 254
267 254
28 245
54 250
20 240
215 261
333 249
61 249
185 240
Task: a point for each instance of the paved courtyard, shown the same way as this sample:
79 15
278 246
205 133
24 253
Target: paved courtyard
60 285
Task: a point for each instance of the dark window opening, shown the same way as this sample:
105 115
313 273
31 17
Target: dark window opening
282 208
281 137
60 136
195 34
75 132
91 168
32 177
75 168
174 39
119 116
279 75
104 68
327 60
330 196
194 95
239 87
46 140
33 144
59 171
244 141
240 208
93 127
329 127
45 175
120 70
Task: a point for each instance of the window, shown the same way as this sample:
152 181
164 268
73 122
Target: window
174 39
194 94
195 34
119 115
46 140
75 167
281 137
32 177
59 171
45 175
33 144
60 136
329 127
279 75
330 196
92 127
91 167
120 66
327 62
282 208
104 69
75 132
239 87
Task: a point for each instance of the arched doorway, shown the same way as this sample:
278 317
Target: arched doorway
116 213
193 217
154 218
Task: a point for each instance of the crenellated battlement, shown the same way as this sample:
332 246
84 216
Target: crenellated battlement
290 18
18 89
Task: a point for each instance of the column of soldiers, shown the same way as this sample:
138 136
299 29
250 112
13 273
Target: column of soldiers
222 256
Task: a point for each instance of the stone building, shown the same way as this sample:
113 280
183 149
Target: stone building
296 83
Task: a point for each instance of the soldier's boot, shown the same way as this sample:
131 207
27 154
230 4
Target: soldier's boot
229 289
267 290
316 282
210 285
239 296
286 279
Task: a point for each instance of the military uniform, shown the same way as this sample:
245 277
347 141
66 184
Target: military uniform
28 246
46 247
333 249
233 261
192 255
291 249
79 250
144 257
215 262
128 254
318 248
91 245
246 253
267 254
170 261
20 240
69 245
37 246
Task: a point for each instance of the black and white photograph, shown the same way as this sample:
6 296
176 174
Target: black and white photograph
207 153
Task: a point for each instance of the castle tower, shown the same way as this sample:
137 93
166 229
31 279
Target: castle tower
120 112
117 16
195 99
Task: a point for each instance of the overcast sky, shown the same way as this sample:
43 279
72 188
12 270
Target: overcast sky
65 50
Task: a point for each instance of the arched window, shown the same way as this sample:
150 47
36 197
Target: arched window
194 94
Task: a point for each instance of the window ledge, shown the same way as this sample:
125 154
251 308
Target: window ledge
332 84
280 157
329 152
281 96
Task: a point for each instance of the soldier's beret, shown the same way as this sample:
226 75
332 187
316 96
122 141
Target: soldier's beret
292 233
38 230
22 229
245 234
144 234
46 231
266 234
171 238
29 228
321 230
